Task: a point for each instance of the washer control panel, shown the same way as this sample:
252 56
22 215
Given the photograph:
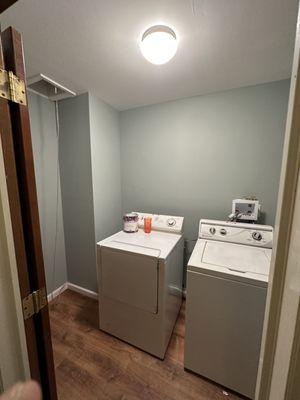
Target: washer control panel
236 232
166 223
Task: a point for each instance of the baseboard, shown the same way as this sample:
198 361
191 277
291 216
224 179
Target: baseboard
57 292
75 288
81 290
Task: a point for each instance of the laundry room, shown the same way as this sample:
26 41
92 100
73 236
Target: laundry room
159 134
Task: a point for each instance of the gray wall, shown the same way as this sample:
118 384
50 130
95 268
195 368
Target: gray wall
91 181
105 154
191 157
45 142
77 191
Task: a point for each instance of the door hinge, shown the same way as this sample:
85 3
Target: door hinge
12 88
34 302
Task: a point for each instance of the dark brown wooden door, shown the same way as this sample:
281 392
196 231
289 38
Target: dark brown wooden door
4 4
19 167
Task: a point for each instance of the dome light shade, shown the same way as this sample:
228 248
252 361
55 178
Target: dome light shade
159 44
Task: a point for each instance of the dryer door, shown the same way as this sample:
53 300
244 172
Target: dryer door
129 277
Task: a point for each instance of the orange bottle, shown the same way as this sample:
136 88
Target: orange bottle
147 224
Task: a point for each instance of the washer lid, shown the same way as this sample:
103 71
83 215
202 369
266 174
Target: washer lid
237 257
235 261
154 244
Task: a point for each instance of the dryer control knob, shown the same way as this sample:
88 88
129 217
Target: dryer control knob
212 230
171 222
223 231
257 236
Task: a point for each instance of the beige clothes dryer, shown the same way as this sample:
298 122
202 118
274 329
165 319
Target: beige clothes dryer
140 283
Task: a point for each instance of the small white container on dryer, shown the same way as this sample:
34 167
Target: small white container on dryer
130 222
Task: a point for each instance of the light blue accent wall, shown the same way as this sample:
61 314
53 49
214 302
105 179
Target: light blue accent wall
91 182
77 191
45 151
106 169
188 157
191 157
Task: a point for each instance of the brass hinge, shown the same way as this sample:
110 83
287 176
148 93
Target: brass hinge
12 88
34 302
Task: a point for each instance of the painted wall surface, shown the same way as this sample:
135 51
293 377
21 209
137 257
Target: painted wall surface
106 173
77 191
45 150
14 365
191 157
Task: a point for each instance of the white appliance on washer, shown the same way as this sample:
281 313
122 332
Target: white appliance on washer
140 283
227 282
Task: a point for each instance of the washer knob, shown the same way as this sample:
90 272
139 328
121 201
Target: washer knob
212 230
171 222
223 231
257 236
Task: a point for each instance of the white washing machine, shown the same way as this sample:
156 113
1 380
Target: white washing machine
227 282
140 283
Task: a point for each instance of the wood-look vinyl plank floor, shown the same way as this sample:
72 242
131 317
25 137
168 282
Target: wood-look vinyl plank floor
91 364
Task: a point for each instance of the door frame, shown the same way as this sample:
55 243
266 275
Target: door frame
18 160
283 246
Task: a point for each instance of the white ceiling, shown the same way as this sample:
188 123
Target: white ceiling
93 45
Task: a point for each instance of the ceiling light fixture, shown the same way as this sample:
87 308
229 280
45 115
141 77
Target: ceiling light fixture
159 44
